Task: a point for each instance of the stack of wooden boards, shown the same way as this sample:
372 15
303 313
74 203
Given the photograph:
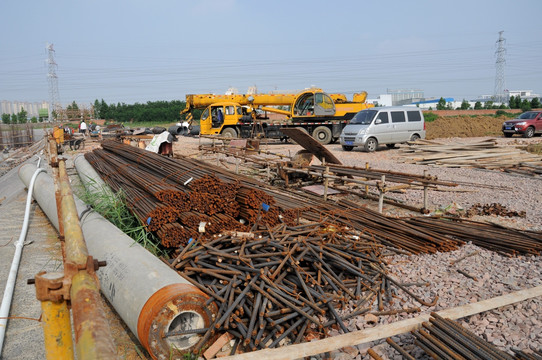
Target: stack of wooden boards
485 154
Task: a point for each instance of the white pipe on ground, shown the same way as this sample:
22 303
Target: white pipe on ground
150 297
12 277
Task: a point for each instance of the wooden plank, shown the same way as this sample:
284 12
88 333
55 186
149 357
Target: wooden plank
298 351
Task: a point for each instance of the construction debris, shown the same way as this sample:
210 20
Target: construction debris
485 154
493 209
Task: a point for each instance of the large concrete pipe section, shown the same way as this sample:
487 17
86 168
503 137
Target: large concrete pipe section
150 297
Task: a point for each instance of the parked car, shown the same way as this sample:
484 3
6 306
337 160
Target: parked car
528 124
383 125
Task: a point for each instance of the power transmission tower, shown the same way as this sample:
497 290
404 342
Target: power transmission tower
52 79
499 94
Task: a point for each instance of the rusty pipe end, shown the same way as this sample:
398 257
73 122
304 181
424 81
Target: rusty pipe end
176 307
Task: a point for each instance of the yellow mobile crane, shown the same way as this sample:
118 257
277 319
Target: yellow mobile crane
320 114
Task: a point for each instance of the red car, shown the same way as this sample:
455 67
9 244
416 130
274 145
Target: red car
527 124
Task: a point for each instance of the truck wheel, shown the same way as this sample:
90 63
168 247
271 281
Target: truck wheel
229 132
529 132
371 144
347 148
322 134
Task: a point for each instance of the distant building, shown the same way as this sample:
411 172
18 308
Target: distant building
14 107
381 100
405 96
523 94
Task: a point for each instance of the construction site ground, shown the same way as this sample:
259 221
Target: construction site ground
518 325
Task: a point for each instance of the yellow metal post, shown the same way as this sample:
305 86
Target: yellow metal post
57 330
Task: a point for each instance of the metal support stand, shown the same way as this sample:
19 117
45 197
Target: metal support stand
381 194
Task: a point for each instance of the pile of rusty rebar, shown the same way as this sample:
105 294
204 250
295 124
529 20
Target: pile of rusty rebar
288 282
443 338
191 187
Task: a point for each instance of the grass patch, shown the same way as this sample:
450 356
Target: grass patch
502 113
112 206
430 116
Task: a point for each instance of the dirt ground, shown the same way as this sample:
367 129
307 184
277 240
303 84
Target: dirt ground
464 126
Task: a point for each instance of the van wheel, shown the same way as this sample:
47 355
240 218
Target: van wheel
347 148
229 132
415 137
323 135
371 144
390 146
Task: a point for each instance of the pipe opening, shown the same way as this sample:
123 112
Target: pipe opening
185 321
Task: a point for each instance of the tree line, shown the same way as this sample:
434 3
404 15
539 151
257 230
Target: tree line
152 111
20 118
513 103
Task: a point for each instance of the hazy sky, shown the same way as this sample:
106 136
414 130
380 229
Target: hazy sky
138 51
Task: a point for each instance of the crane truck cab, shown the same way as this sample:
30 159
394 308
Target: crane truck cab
320 114
221 118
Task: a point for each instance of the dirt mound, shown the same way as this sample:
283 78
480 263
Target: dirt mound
464 126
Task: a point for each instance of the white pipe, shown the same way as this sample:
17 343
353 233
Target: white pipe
10 285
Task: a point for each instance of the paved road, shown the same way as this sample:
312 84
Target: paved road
24 335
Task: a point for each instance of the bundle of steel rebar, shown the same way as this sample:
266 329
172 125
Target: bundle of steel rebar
289 282
500 239
443 338
199 179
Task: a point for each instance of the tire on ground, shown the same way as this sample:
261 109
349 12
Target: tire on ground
529 132
323 134
371 144
229 132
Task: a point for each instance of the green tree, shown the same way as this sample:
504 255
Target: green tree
6 119
465 105
441 105
525 105
477 105
14 119
535 103
512 102
518 102
73 106
34 120
488 105
22 116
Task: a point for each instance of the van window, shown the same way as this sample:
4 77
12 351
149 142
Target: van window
364 117
398 116
384 117
414 116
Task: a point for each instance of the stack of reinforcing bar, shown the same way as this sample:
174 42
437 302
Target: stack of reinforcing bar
301 267
445 339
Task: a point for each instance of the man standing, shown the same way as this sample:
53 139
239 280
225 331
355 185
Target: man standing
83 127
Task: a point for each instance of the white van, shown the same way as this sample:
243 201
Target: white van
383 125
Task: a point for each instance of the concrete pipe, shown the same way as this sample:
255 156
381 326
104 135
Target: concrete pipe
150 297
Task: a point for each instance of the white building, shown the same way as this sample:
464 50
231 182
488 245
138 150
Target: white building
14 107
